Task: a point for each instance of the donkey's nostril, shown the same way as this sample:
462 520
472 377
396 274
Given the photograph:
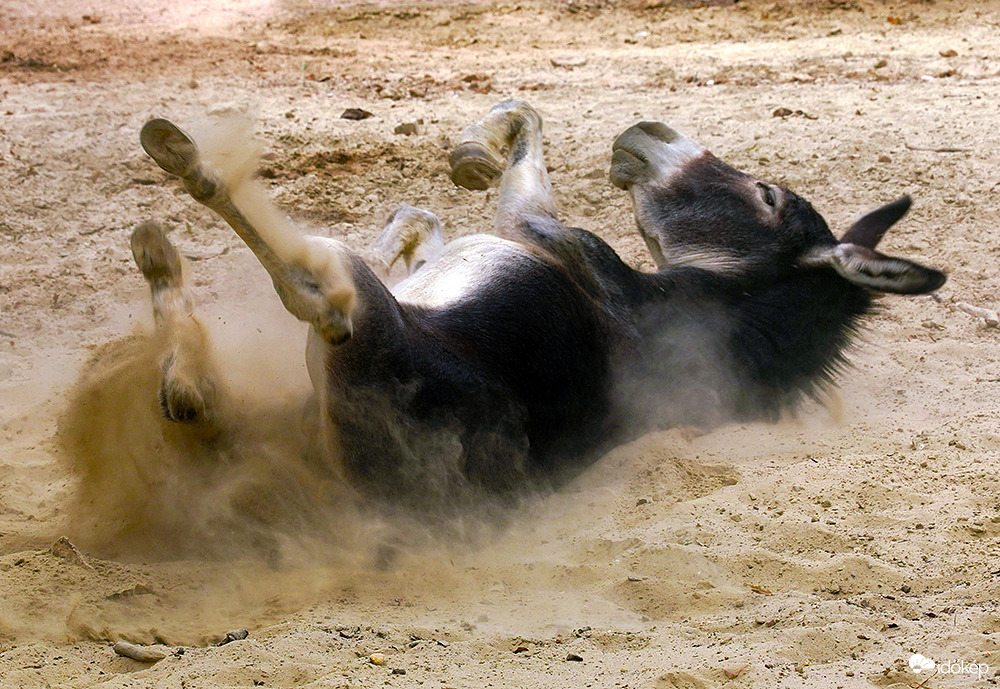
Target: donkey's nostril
627 168
658 130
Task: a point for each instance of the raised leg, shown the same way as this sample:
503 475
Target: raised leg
310 277
411 234
512 129
526 207
187 390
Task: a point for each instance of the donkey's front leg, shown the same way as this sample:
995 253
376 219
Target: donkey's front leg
411 234
310 276
526 208
512 129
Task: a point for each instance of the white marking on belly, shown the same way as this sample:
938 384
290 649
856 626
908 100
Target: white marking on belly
465 265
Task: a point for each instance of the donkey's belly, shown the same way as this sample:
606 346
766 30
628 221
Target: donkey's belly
466 266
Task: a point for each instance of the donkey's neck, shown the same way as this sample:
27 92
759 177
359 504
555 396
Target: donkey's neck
713 348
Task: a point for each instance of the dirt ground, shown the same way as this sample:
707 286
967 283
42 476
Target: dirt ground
824 551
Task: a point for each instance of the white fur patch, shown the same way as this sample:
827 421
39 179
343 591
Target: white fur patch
716 261
465 265
668 159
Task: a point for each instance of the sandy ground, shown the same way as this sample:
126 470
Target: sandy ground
822 552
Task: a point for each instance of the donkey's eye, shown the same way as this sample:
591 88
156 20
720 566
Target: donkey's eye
766 193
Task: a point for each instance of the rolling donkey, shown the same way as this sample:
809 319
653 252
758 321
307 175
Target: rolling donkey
504 362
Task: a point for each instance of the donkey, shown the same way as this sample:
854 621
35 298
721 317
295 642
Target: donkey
513 360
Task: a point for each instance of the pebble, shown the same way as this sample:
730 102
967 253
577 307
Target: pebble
407 128
64 548
234 635
569 62
377 658
574 658
138 653
355 114
734 672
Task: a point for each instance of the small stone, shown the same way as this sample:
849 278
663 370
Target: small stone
377 658
138 653
641 501
733 673
948 53
398 671
884 159
234 635
64 548
573 657
407 128
355 114
569 61
782 112
905 588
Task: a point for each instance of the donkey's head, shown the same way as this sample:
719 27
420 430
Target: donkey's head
693 209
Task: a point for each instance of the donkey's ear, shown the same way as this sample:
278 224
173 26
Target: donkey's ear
868 230
867 268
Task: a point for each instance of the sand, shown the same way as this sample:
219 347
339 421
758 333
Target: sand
824 551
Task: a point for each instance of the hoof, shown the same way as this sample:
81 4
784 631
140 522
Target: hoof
171 148
155 256
474 167
184 398
334 327
180 404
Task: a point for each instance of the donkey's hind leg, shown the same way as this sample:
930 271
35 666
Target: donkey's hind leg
312 277
187 389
